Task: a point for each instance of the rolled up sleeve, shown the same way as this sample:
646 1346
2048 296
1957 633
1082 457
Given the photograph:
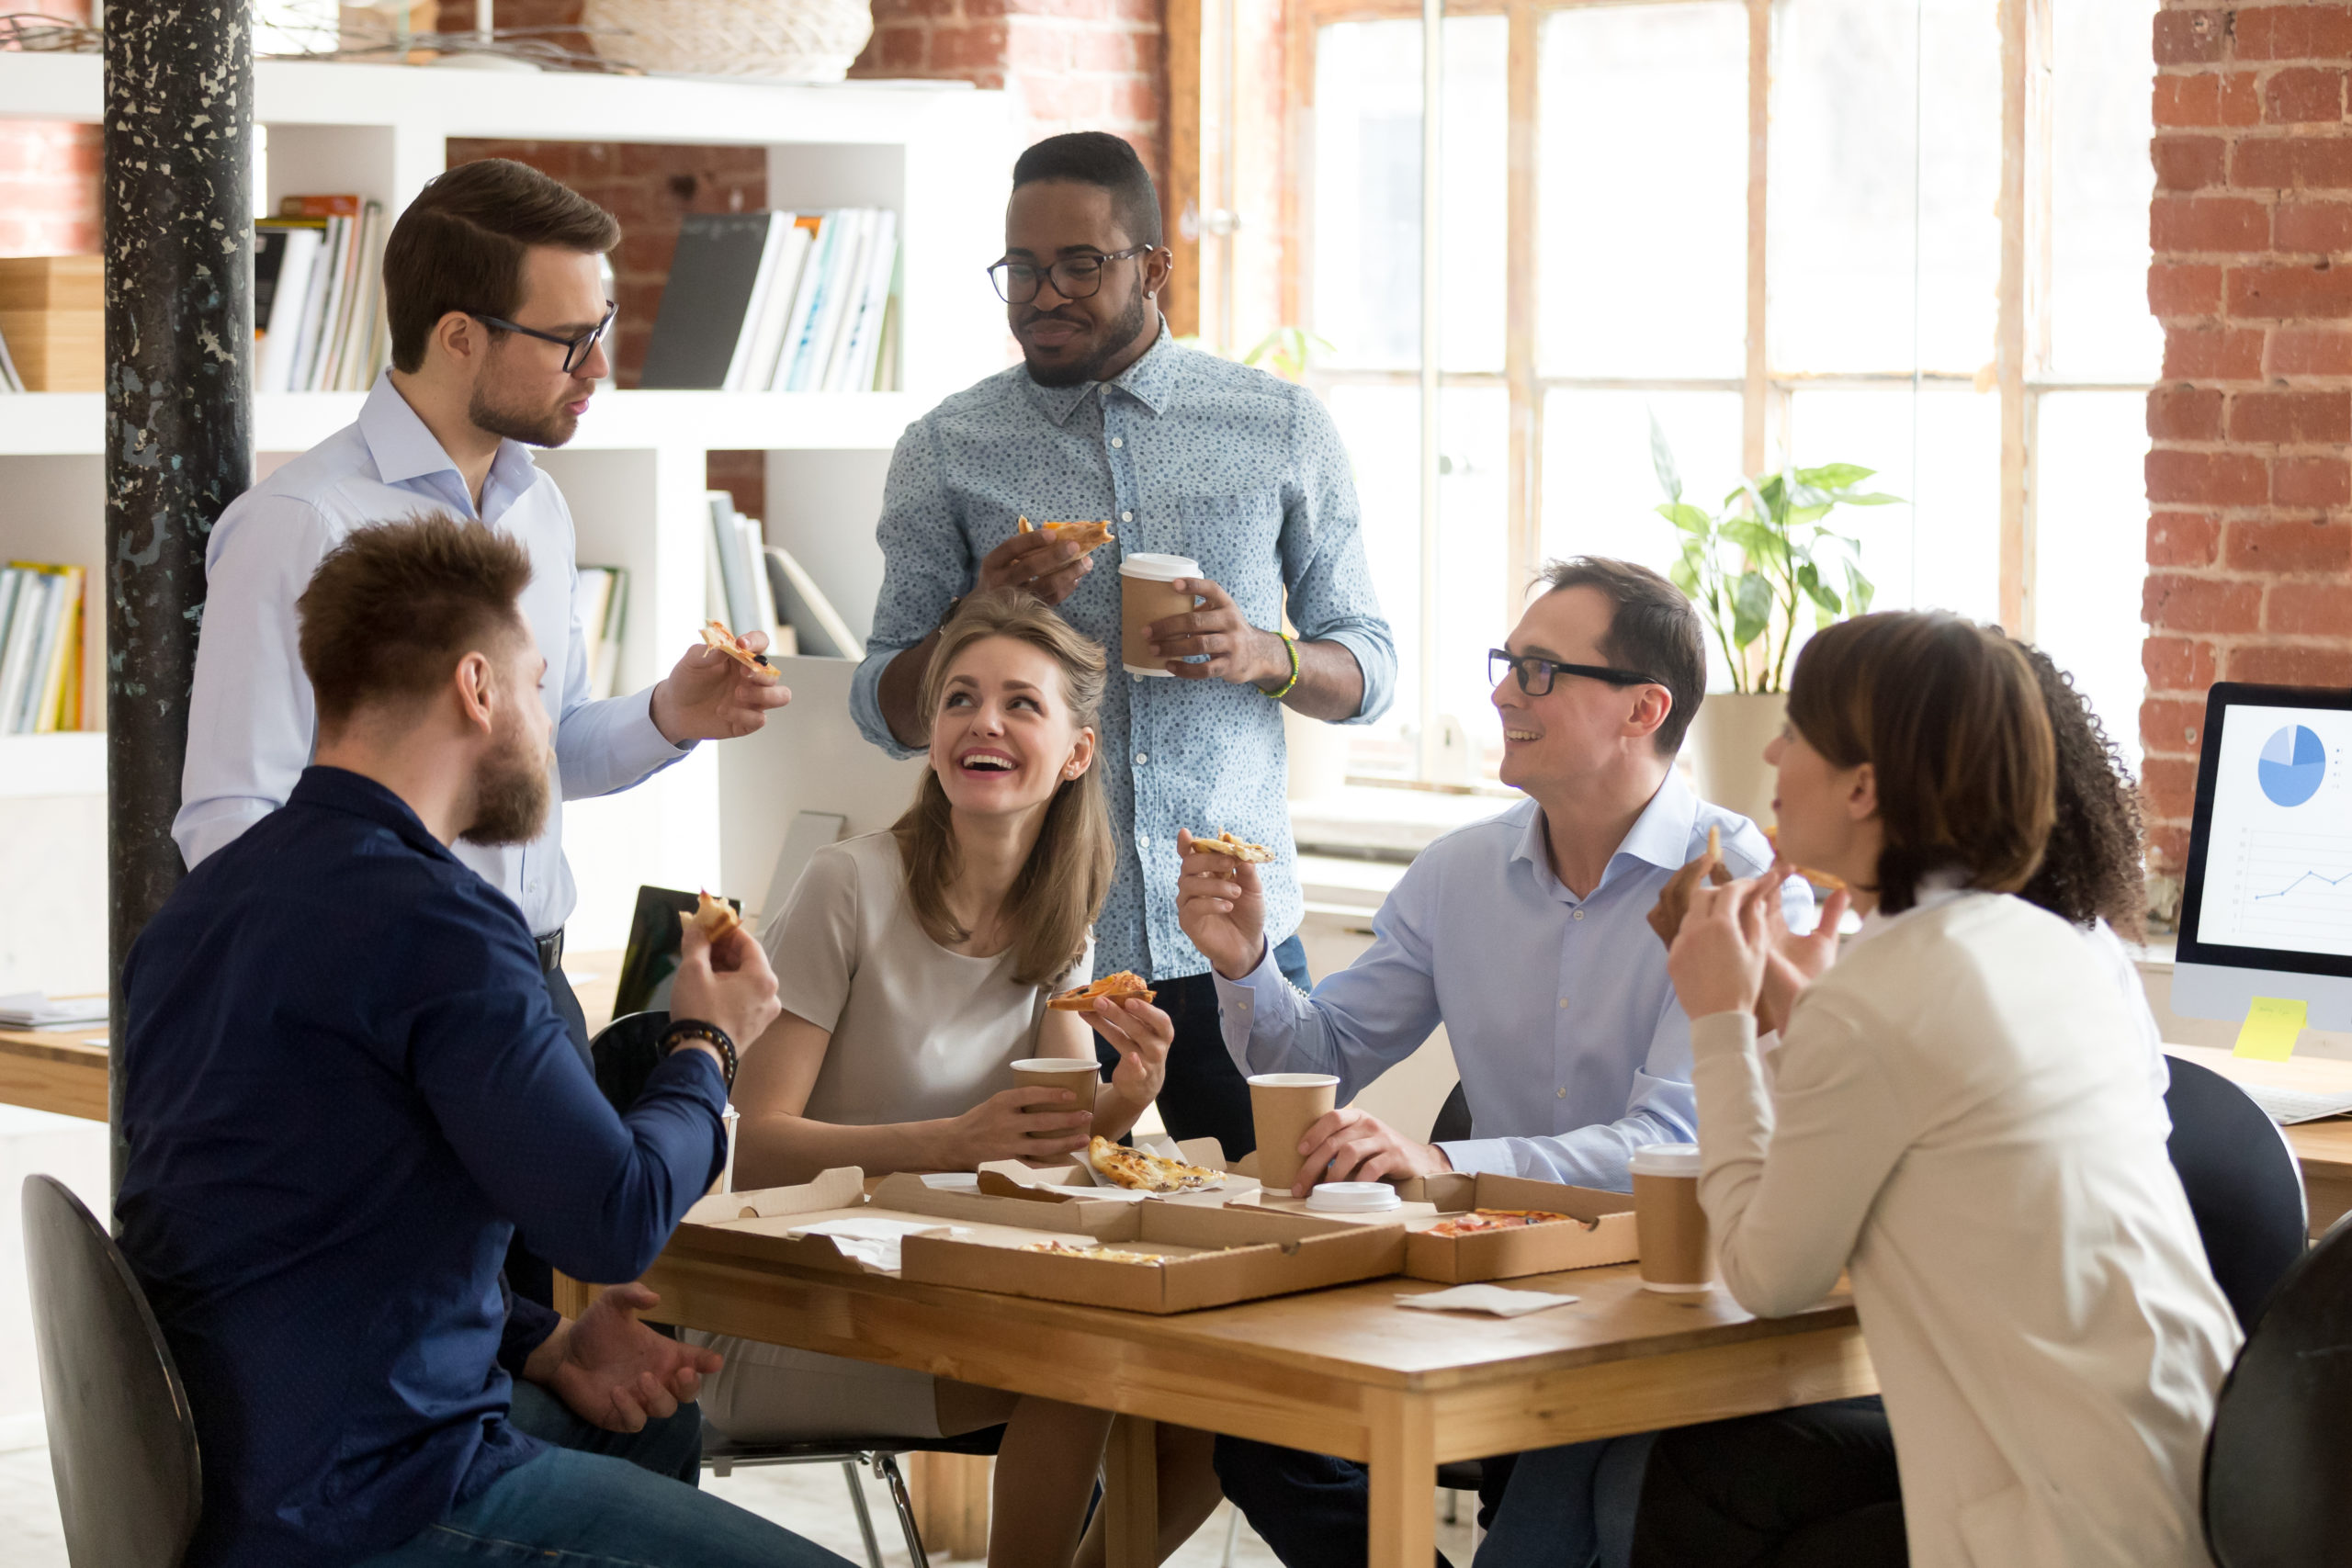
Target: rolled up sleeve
1324 569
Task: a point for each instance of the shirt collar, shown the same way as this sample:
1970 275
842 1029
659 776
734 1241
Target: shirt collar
339 789
404 449
1936 889
1660 836
1150 380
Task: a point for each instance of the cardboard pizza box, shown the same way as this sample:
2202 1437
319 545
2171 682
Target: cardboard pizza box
1605 1236
1211 1255
773 1223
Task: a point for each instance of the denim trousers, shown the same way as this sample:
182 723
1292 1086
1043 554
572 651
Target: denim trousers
603 1499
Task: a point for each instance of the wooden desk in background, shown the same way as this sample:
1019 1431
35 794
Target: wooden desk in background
61 1070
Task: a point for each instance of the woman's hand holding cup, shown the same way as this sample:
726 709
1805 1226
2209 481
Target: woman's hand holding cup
1222 908
1028 1123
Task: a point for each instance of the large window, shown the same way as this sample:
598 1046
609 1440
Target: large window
1786 232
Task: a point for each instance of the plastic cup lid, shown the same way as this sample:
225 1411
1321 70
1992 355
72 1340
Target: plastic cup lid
1665 1160
1299 1080
1161 569
1058 1064
1353 1197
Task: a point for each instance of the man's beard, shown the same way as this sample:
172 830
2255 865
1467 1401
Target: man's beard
510 795
534 427
1125 330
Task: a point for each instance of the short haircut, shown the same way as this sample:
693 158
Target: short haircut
1652 628
1949 718
392 608
460 245
1098 158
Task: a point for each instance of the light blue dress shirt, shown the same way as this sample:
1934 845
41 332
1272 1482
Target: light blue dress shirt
1189 454
251 724
1572 1048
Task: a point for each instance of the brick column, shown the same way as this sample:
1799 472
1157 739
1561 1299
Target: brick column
2249 489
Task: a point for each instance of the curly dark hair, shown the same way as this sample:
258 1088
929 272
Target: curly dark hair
2091 868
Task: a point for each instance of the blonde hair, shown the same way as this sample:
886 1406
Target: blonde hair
1060 890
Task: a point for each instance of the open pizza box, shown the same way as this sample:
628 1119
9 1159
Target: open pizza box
1078 1180
1604 1236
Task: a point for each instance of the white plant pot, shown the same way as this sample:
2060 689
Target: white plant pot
1727 737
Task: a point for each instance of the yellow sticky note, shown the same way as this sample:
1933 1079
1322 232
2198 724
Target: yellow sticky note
2271 1026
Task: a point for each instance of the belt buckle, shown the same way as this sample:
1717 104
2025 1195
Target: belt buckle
551 948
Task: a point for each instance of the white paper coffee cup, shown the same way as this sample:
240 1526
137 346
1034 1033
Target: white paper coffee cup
1678 1254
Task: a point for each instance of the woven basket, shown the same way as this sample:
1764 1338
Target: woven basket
798 41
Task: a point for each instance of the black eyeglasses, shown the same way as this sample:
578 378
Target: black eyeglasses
1535 673
575 349
1075 278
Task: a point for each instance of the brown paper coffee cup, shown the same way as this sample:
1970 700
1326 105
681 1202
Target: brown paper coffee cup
1145 597
1072 1073
1678 1254
1282 1106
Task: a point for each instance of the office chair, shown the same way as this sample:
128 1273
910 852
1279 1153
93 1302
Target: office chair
2274 1492
624 1054
2241 1182
121 1441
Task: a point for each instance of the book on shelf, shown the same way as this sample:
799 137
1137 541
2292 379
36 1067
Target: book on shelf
9 380
40 648
318 323
601 599
778 301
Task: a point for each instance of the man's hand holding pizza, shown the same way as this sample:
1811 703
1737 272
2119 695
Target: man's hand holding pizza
709 697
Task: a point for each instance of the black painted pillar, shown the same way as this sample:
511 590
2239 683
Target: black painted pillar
177 215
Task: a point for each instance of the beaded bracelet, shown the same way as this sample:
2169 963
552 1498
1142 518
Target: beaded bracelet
686 1029
1290 645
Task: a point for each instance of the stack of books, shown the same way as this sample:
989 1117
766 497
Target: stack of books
318 324
41 648
780 302
53 323
599 597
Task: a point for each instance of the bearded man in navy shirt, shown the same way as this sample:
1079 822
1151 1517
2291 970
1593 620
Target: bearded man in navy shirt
348 1090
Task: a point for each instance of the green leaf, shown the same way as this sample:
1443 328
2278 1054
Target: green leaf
1760 541
1684 576
1834 476
1860 590
1811 513
1670 477
1751 605
1874 498
1820 593
1686 517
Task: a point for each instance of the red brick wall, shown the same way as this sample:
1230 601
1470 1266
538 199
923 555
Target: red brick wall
2250 494
48 174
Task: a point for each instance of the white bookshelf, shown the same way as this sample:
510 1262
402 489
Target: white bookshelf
938 154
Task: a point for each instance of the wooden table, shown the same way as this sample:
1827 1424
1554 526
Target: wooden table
1341 1372
2324 1149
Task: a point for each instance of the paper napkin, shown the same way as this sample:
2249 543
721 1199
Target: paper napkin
1492 1299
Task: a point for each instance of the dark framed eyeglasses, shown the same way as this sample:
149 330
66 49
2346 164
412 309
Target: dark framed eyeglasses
1536 672
1075 278
575 349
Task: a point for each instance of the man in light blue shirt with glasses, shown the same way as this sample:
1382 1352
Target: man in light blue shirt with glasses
1526 935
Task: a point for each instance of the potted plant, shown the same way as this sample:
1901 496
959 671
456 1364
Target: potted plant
1760 572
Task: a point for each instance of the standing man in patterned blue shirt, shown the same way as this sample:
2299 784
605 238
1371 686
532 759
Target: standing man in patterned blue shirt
1187 455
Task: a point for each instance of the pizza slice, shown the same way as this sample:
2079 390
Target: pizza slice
712 916
1239 848
1820 879
715 634
1140 1170
1119 987
1479 1222
1099 1254
1086 535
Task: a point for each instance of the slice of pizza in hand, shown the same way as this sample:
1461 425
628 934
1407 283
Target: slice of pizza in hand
712 916
1820 879
1239 848
1140 1170
1122 987
1088 536
715 634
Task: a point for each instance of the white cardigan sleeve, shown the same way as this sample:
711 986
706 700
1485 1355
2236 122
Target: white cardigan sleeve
1791 1172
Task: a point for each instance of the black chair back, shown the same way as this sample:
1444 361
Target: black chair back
2241 1183
624 1055
122 1442
1453 1124
2275 1465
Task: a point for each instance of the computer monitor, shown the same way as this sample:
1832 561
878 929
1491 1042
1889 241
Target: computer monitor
2267 906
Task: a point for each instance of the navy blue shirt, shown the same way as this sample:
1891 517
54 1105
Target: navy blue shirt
347 1089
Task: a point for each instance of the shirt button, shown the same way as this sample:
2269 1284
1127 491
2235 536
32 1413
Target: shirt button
1564 1001
1578 915
1126 516
1141 759
1143 841
1117 442
1560 1094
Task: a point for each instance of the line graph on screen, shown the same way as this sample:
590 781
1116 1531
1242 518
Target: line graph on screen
2293 886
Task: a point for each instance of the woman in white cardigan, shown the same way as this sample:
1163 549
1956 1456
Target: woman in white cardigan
1960 1121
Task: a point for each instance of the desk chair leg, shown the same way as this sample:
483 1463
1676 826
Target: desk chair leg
1232 1536
886 1466
864 1519
1452 1506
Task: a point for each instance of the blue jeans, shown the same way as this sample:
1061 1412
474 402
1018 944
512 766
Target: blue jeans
629 1504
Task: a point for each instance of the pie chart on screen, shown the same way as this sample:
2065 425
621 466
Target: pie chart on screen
2292 764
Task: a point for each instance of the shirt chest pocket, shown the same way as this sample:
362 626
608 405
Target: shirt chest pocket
1235 538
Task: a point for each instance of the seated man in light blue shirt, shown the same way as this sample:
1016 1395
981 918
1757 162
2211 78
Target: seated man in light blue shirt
1525 935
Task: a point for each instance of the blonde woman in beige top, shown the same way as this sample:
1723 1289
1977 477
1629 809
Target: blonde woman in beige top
1959 1120
913 967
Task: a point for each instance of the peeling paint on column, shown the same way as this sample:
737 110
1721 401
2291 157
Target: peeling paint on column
179 446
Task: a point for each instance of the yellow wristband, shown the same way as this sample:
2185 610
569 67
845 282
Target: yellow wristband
1290 645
